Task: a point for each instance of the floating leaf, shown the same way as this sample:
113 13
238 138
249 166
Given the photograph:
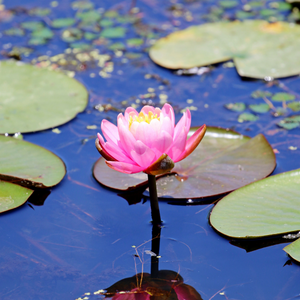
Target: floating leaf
81 46
238 106
111 14
37 41
267 12
281 6
293 250
294 106
15 31
90 35
247 117
267 207
82 5
44 33
28 164
12 195
260 94
89 16
240 14
113 32
40 12
32 25
117 46
256 47
228 3
224 161
35 99
290 123
134 42
106 23
283 97
260 108
63 22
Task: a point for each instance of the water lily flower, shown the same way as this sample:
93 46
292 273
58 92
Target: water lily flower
147 141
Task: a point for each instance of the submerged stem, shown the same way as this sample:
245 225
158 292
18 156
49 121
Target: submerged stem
153 200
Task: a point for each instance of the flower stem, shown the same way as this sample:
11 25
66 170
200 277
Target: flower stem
155 249
153 200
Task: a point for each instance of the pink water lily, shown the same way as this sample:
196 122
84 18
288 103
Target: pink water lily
147 141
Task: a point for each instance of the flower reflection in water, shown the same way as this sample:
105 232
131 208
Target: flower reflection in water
168 285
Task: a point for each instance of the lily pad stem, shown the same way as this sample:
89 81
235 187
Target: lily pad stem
153 200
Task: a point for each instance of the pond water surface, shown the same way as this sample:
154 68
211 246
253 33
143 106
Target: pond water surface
81 239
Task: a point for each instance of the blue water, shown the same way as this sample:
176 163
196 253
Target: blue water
81 239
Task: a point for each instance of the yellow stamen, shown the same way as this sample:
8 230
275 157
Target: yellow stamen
143 118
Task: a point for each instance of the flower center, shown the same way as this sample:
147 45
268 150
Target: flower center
143 118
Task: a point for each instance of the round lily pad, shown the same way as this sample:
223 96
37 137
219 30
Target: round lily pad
12 195
264 208
259 49
293 250
28 164
34 99
223 161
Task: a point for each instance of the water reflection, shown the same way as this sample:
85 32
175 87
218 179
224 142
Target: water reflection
156 285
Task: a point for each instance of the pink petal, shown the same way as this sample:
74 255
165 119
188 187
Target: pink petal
168 111
167 125
156 126
185 121
127 140
103 150
124 167
145 133
130 111
142 155
117 153
163 142
178 145
147 108
110 132
186 292
193 142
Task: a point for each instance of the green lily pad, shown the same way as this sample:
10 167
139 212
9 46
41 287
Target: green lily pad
228 3
63 22
238 106
89 16
260 94
223 161
294 106
259 49
28 164
247 117
283 97
290 123
266 12
113 32
134 42
44 33
37 41
264 208
14 32
82 5
260 108
293 250
34 99
32 25
106 22
12 195
240 14
40 12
